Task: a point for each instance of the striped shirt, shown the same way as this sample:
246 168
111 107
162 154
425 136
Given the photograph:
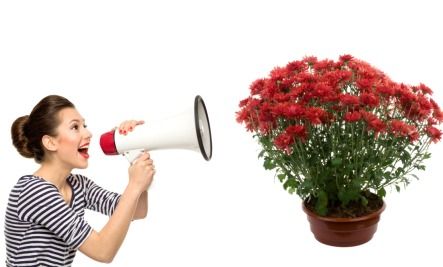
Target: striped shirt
41 229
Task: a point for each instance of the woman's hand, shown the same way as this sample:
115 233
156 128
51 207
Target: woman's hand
141 172
142 169
129 125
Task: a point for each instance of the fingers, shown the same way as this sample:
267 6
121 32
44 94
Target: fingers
145 161
145 158
148 161
142 171
129 125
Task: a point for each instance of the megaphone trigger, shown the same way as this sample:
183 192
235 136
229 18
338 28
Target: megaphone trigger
132 155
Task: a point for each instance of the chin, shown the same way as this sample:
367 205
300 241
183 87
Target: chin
82 165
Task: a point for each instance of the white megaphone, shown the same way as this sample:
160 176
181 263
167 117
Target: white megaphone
189 129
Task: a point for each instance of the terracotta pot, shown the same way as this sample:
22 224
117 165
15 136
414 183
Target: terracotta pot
343 232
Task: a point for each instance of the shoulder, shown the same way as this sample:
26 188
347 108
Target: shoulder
33 191
34 183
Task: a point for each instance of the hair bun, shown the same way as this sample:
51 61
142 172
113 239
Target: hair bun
19 137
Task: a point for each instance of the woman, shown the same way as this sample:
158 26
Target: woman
44 223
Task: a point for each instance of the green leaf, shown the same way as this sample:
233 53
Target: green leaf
397 188
415 176
268 164
421 167
387 175
288 184
381 192
261 153
345 195
336 162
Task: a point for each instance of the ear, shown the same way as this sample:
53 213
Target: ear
49 143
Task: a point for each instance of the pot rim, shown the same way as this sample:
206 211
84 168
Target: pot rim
337 219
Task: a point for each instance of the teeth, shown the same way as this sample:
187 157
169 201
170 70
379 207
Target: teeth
84 149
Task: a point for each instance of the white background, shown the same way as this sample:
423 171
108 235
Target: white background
118 60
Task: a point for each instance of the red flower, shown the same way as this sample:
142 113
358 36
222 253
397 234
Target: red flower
257 86
346 58
352 116
289 110
433 133
316 115
369 99
283 142
425 90
385 90
349 100
310 60
324 65
297 131
288 137
364 84
279 73
438 115
296 66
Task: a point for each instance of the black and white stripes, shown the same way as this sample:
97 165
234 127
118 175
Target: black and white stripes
41 229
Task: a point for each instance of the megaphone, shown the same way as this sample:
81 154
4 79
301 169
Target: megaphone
189 129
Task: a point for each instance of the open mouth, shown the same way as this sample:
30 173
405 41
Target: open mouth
84 151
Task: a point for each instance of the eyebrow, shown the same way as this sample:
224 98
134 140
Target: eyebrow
76 120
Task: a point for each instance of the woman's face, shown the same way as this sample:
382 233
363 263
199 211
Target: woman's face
72 140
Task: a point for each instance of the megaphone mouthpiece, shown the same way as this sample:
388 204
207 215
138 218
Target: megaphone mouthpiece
107 143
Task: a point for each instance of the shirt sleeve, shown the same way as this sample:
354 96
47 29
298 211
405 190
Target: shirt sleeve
41 203
99 199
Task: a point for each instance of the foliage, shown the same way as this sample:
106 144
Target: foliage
335 130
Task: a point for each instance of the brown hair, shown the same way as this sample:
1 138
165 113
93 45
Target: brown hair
27 131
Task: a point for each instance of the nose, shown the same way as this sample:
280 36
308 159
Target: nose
87 133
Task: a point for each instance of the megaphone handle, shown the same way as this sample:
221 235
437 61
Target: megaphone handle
132 155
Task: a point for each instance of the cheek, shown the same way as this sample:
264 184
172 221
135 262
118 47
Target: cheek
68 141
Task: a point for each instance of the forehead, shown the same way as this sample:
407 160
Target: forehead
67 115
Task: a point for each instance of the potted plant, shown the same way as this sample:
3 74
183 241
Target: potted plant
339 134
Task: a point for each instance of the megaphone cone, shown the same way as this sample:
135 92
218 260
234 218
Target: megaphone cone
189 129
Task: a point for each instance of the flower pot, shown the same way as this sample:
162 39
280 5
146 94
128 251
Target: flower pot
343 232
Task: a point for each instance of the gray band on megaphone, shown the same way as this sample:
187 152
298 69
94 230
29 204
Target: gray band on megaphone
204 141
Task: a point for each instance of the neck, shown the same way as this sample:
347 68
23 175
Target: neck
53 174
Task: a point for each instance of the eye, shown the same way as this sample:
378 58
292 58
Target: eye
85 126
74 127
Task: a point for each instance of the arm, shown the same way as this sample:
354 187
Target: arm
142 206
141 211
103 245
105 202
